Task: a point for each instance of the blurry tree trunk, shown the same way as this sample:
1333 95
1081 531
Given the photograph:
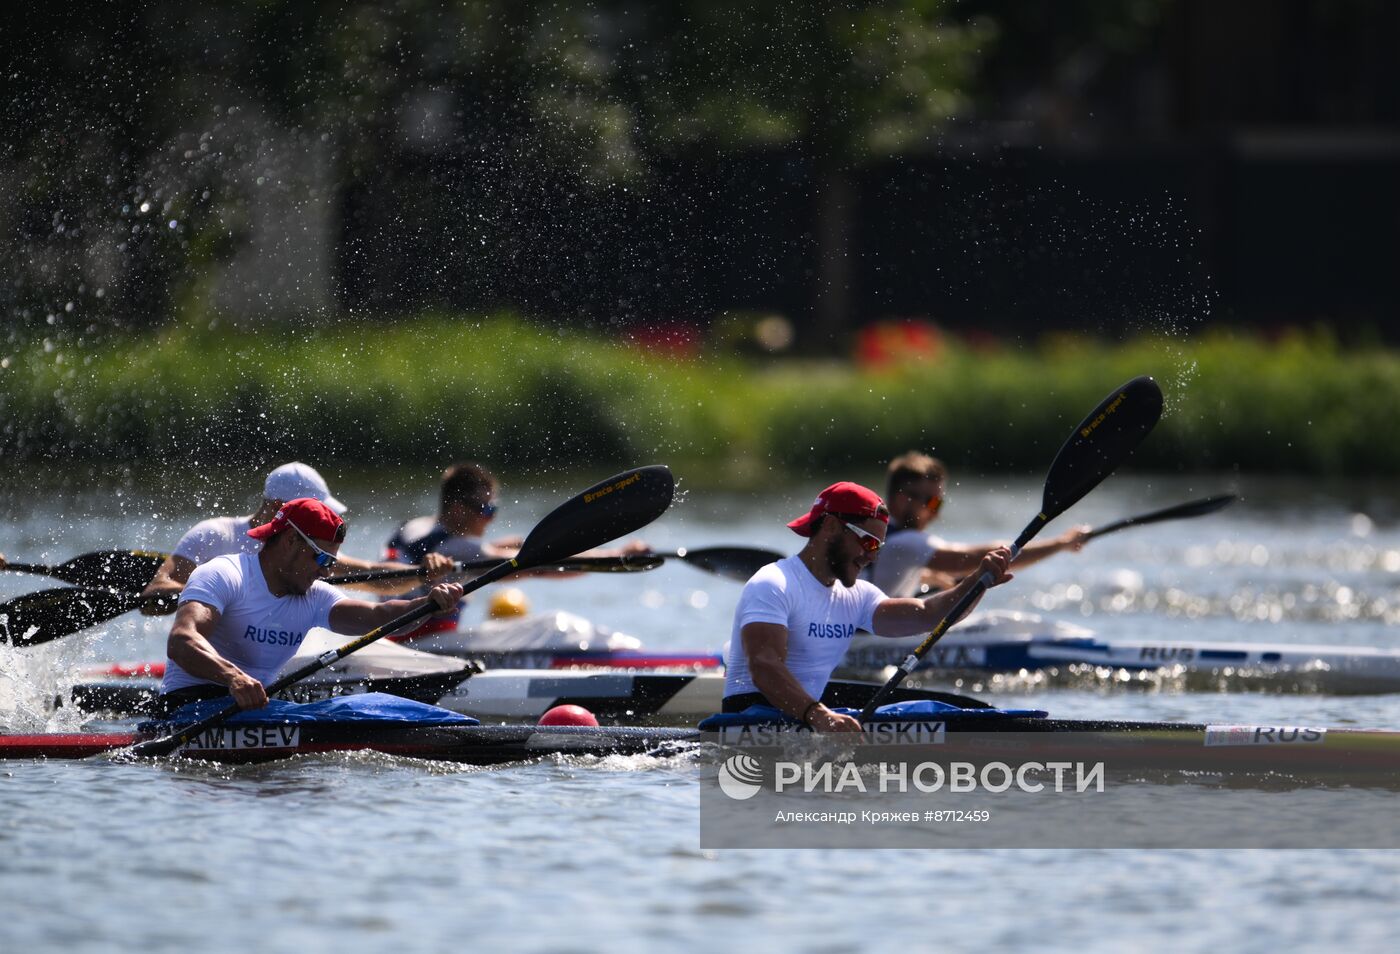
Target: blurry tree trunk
832 195
834 198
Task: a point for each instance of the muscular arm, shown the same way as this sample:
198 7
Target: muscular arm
911 617
354 617
961 559
189 646
765 644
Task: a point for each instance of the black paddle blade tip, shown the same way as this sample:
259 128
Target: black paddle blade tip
1101 442
609 509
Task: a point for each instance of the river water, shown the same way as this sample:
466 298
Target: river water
365 852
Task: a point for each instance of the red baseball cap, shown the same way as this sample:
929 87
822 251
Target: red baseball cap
311 517
844 497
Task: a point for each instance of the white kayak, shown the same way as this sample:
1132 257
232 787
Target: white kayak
538 661
1000 644
627 696
1009 642
636 697
557 640
633 697
630 697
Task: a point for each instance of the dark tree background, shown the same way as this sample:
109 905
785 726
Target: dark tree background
1010 165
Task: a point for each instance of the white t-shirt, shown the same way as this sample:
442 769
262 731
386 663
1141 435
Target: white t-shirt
820 622
902 559
217 536
256 631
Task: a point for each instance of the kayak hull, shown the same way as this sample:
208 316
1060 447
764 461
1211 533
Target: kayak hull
1271 754
626 697
470 744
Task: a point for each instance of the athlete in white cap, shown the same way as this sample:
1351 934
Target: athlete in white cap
296 479
219 536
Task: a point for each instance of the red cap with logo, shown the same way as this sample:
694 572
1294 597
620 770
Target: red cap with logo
846 498
311 517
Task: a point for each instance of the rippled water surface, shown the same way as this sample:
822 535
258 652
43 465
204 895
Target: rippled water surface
367 852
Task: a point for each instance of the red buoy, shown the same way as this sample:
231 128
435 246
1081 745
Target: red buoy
568 715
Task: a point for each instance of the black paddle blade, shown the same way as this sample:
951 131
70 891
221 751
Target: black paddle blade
734 563
114 569
605 511
1100 443
117 569
36 618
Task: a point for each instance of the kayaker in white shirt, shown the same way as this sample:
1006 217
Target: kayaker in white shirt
796 617
242 616
219 536
915 488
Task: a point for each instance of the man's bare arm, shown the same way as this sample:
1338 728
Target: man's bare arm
189 646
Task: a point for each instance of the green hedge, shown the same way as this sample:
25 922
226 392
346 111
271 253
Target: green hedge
525 397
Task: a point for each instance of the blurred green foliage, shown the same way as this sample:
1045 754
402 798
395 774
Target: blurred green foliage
139 134
530 399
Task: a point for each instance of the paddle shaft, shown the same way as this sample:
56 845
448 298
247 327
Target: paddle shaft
738 563
1197 508
621 564
42 569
